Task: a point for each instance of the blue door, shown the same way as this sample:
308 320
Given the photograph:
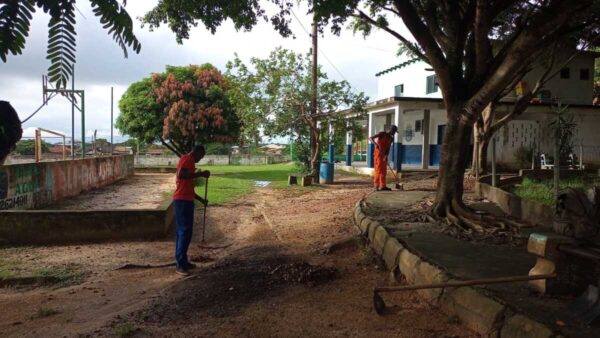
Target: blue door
435 150
440 134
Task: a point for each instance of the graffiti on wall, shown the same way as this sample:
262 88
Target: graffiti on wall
22 182
26 186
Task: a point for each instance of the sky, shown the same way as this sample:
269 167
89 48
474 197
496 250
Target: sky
102 65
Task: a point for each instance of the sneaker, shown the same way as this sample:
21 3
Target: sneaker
385 189
182 272
191 266
375 189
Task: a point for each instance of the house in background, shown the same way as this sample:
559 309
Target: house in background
409 97
273 149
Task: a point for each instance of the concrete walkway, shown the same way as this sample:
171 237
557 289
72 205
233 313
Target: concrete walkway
425 255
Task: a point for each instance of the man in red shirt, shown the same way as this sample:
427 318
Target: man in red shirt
183 201
383 142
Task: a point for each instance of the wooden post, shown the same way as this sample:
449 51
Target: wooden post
533 156
37 145
313 97
557 157
581 157
494 180
476 145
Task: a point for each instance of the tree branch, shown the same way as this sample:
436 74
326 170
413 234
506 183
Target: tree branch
170 147
541 31
410 45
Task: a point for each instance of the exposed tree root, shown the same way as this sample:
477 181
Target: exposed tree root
461 221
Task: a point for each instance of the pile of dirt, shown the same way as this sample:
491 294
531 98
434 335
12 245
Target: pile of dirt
225 289
304 273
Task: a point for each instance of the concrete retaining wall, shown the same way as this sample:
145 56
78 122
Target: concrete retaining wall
532 212
171 161
42 227
548 174
35 185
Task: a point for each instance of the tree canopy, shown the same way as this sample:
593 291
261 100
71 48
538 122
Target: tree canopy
141 117
15 19
181 107
276 92
27 147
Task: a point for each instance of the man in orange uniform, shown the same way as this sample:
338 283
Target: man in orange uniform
383 142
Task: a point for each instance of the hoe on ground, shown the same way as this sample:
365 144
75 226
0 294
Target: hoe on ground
380 307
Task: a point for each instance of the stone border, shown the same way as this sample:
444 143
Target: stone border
476 310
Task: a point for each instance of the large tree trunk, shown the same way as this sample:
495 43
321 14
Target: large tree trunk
483 134
448 202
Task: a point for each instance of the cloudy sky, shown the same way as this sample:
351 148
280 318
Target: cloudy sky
101 64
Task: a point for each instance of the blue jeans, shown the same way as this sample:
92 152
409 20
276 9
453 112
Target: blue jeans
184 220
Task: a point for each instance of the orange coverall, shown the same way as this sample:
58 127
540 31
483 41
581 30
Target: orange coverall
382 149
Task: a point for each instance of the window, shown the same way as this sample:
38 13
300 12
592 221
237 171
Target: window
432 85
584 74
565 73
418 125
399 90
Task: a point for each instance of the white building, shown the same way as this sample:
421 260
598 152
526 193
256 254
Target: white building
408 96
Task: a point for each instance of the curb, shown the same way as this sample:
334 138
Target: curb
474 309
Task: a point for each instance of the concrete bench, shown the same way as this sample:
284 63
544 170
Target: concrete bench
305 180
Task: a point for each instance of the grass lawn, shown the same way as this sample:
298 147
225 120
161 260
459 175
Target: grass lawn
229 182
543 191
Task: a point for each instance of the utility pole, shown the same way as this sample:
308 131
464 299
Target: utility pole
112 146
73 114
313 97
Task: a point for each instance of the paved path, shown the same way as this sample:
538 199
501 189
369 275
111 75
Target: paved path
469 260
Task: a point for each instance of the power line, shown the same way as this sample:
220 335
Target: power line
319 49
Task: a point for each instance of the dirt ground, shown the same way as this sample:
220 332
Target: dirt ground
141 191
277 263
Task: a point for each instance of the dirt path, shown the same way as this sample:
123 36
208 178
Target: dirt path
263 273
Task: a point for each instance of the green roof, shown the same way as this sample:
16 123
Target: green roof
398 66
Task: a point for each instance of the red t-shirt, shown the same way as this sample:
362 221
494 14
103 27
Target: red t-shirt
185 187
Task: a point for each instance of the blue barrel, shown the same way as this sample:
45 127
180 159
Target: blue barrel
326 173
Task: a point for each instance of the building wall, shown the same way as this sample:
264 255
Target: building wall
380 120
414 78
571 91
533 129
35 185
